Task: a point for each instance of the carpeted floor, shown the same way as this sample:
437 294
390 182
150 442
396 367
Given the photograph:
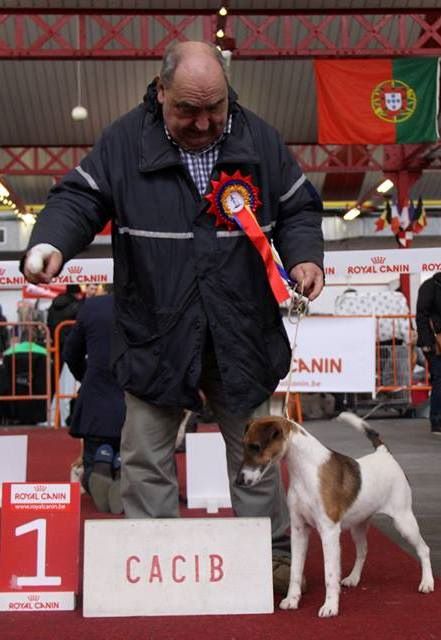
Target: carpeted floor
386 605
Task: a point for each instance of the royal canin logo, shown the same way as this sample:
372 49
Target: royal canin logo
75 269
34 597
378 260
40 487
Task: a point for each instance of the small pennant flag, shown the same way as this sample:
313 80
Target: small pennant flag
385 218
395 222
404 238
405 217
420 218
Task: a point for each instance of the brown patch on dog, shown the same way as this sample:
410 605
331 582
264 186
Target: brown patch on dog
340 483
264 439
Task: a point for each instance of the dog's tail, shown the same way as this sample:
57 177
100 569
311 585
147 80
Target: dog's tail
361 425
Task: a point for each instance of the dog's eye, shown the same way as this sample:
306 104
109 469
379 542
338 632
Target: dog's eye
254 447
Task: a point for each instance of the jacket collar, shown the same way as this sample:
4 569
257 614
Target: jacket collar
157 152
437 278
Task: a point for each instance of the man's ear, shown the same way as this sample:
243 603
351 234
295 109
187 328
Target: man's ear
160 92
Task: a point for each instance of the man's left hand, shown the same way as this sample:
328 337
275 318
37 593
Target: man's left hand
310 279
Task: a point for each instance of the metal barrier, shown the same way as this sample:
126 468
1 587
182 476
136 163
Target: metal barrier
398 355
62 326
396 358
19 380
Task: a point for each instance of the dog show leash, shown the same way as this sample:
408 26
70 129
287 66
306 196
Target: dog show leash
297 309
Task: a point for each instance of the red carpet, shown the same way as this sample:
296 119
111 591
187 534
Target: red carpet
386 605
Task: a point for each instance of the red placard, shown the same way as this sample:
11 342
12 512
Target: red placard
39 546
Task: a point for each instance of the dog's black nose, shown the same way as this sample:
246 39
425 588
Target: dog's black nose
240 478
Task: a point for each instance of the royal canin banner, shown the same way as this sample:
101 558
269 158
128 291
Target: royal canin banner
332 354
338 264
99 271
350 264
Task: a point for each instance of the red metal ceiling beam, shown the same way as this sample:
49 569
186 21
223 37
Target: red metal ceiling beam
40 161
179 11
56 161
268 35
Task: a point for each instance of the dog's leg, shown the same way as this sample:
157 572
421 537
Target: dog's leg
358 533
299 545
330 536
407 526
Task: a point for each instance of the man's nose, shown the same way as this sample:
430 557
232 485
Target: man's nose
202 122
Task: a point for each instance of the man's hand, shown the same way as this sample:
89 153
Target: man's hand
310 279
42 263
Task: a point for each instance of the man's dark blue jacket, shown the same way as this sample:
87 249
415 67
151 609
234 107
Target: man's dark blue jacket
176 274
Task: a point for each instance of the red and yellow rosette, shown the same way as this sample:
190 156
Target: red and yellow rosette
234 200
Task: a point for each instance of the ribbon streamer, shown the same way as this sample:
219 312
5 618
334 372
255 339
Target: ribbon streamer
234 200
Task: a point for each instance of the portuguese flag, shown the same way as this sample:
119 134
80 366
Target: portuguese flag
377 101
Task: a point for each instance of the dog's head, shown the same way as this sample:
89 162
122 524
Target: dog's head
264 443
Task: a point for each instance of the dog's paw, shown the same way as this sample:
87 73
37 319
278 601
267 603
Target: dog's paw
350 581
328 610
290 602
426 586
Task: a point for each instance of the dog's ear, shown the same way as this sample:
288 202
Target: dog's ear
271 431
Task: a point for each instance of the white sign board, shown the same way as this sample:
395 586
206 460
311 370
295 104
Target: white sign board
13 459
383 261
332 354
207 476
337 263
191 566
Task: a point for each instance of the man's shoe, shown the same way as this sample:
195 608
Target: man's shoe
103 460
116 466
114 495
281 575
101 479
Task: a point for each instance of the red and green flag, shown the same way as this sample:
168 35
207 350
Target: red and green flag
374 101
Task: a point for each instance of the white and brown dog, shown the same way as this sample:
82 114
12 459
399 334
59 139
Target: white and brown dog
331 492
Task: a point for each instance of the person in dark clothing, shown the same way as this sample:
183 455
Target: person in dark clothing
99 411
428 322
4 333
64 307
194 306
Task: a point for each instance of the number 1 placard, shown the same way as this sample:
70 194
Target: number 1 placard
39 546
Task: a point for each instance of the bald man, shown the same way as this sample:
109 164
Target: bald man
194 305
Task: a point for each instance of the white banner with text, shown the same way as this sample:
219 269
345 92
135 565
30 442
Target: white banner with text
333 354
337 263
192 566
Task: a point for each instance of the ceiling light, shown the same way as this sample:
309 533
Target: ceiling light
385 186
220 33
28 218
352 213
3 191
79 113
226 54
223 11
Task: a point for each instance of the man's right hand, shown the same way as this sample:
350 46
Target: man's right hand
42 263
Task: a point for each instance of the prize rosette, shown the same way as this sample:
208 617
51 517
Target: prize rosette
234 201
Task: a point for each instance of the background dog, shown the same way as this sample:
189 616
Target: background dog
331 492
